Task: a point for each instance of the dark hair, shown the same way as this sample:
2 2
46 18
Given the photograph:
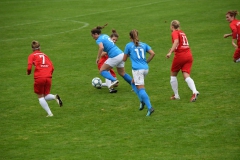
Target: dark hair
175 24
114 33
98 29
35 45
232 13
134 36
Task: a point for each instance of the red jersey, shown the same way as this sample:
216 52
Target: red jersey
183 45
43 65
235 27
103 59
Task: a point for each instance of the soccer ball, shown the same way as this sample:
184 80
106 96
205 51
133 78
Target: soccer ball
97 82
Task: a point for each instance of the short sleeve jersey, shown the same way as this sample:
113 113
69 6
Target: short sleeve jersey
183 45
109 46
43 65
137 55
235 27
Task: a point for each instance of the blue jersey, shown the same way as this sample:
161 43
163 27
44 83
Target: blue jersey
137 55
109 46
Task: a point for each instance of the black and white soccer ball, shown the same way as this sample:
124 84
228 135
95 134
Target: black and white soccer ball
97 82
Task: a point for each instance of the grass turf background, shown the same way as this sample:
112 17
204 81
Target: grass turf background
94 124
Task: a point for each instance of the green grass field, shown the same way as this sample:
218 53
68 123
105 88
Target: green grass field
96 125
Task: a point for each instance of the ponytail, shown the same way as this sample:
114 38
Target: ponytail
98 29
134 36
114 33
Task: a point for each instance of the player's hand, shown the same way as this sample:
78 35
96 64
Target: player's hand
28 72
227 35
168 55
97 61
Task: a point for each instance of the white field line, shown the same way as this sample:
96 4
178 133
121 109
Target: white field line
85 24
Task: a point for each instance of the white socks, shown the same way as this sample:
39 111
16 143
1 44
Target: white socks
238 60
44 105
189 81
50 97
191 84
174 84
107 83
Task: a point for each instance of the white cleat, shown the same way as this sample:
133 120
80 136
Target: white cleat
113 84
49 115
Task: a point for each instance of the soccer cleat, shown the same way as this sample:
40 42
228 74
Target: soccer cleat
142 104
59 101
49 115
194 97
174 98
112 90
149 112
113 84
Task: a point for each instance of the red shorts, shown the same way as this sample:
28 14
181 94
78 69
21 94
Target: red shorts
111 70
183 63
42 85
236 54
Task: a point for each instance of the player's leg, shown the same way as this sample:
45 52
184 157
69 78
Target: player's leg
49 96
114 75
104 71
174 85
236 56
105 84
175 68
146 100
186 69
125 76
39 84
107 81
120 68
136 75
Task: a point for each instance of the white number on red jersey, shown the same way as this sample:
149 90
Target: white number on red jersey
43 58
185 41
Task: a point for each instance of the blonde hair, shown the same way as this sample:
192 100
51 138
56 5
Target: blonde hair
134 36
35 45
175 24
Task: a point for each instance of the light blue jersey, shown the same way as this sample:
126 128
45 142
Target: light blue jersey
137 55
109 46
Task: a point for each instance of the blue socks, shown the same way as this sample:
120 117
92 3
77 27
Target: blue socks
108 75
144 96
134 87
127 78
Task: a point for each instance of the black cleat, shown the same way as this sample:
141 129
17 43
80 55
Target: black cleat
59 101
150 112
142 104
112 90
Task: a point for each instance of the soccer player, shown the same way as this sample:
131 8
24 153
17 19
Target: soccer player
137 50
235 27
115 56
182 61
114 36
42 77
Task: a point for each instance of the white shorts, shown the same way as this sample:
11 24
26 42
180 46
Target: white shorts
116 61
138 76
